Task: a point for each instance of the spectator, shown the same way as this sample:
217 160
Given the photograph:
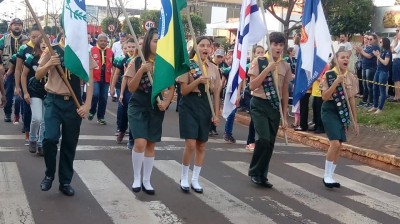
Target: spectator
396 64
117 46
381 75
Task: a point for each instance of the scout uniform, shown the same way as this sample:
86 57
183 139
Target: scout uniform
194 109
10 85
10 46
335 111
23 52
265 114
147 118
61 111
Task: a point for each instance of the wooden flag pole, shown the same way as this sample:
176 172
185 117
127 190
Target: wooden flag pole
137 43
200 61
276 79
344 89
51 51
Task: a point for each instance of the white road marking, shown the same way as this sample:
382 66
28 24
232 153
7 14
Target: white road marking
113 196
14 206
372 197
309 199
378 173
235 210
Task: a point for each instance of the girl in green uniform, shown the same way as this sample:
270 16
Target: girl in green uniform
195 113
335 112
146 119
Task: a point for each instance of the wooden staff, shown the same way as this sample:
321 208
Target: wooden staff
51 51
137 43
275 79
344 89
200 61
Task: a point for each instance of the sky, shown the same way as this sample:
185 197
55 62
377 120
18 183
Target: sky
10 8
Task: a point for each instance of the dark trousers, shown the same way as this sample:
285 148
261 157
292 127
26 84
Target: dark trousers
360 82
368 74
100 96
304 101
60 113
317 104
252 133
122 112
266 123
9 85
27 116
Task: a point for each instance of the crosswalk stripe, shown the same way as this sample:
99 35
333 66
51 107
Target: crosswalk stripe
112 195
376 172
235 210
373 197
309 199
14 207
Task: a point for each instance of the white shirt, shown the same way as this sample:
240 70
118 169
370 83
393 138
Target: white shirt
117 49
396 51
346 45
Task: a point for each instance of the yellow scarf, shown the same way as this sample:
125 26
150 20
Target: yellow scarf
267 55
30 44
336 70
205 65
103 56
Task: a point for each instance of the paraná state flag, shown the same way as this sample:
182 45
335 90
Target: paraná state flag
76 55
315 47
172 59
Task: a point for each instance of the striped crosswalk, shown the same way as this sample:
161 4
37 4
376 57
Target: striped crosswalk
287 202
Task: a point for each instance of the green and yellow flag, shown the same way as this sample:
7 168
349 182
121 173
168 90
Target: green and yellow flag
172 59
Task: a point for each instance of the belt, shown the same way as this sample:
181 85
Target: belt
396 59
61 97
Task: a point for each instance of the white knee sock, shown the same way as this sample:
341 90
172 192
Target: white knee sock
185 176
195 177
147 168
137 161
328 174
333 167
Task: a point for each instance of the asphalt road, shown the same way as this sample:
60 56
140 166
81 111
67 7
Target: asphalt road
103 179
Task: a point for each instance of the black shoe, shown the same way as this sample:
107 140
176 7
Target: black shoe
136 189
336 184
257 180
197 190
7 118
184 189
300 129
328 185
150 192
66 189
319 131
265 182
46 183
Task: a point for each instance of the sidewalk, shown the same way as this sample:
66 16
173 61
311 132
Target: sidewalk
373 146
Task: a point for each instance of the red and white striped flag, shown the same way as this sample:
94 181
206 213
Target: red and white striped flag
251 30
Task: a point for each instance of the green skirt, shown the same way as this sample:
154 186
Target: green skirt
333 125
194 117
144 120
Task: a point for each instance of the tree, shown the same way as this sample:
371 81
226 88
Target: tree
153 15
110 21
136 25
354 18
3 26
199 26
290 5
116 10
47 29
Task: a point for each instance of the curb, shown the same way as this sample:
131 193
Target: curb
368 156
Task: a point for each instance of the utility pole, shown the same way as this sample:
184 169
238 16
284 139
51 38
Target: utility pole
47 12
145 5
108 8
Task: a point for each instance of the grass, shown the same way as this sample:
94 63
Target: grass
388 119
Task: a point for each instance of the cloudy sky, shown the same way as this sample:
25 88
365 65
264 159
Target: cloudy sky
10 8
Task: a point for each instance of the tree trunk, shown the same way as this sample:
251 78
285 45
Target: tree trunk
286 33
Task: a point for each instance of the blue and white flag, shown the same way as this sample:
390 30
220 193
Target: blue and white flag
251 30
315 47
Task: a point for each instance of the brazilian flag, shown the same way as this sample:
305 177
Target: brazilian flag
172 59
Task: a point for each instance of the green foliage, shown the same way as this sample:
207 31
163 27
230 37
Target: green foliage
153 15
354 18
47 29
199 26
3 26
136 25
109 20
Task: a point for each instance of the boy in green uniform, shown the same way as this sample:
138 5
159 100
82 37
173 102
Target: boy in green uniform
265 105
61 111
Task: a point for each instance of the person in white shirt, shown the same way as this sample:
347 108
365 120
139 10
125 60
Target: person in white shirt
343 42
117 46
396 64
